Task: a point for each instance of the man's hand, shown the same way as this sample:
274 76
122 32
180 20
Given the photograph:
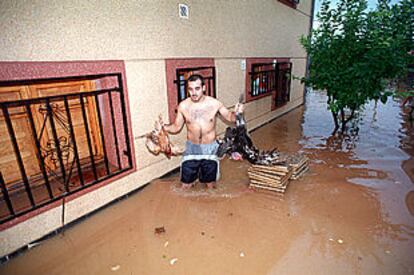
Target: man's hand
239 108
161 121
177 125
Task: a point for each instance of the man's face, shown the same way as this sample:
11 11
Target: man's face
196 89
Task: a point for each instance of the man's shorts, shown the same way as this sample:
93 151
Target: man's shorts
205 170
200 162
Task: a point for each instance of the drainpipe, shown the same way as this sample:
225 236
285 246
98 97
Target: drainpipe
307 57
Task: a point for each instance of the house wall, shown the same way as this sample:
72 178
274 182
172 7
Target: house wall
142 34
131 30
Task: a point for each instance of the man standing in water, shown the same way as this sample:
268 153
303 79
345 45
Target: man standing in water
198 112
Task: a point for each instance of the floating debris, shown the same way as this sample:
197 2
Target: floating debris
159 230
166 244
276 177
115 267
340 241
269 170
173 261
31 245
241 254
299 164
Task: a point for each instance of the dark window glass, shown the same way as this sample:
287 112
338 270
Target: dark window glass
283 72
263 79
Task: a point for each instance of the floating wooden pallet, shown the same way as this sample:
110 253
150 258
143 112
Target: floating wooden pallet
270 174
258 185
276 169
273 178
276 177
299 164
299 174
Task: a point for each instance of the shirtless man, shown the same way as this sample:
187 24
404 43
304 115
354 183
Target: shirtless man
198 112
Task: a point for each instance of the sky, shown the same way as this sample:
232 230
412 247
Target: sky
371 4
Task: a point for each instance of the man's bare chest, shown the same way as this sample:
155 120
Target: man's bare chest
201 115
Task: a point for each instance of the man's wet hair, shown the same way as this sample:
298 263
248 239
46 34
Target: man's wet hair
196 77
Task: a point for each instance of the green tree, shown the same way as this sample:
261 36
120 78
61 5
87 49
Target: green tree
354 52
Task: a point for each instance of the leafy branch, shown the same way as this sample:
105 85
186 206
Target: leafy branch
354 53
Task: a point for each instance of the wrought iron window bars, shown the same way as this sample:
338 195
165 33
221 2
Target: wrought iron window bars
262 79
61 169
268 78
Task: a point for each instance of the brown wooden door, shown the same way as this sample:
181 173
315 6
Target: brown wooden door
61 122
8 162
44 129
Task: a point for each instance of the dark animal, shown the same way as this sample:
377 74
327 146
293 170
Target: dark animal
236 139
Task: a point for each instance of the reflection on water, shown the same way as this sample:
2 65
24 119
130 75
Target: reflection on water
352 213
381 147
362 178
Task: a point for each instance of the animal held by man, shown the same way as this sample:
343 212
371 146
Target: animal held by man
237 140
158 141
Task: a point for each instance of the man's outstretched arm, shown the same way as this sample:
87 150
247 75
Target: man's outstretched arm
178 124
228 115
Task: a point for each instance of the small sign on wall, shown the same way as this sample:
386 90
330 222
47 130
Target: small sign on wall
183 11
243 64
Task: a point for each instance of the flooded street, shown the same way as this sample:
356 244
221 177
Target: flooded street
351 213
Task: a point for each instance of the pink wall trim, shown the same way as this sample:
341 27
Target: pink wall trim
35 70
13 71
170 66
58 203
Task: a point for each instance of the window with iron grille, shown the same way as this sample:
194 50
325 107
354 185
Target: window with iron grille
262 79
60 136
283 76
182 74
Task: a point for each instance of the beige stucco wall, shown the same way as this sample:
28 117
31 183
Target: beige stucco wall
26 232
148 29
143 34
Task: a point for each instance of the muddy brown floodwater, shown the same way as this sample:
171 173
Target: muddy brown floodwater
352 213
